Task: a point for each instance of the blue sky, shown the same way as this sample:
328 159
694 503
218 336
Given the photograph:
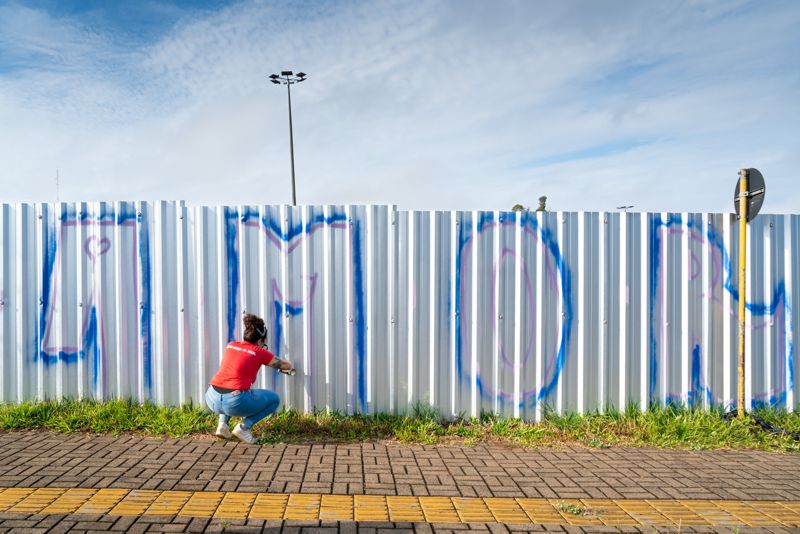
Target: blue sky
427 105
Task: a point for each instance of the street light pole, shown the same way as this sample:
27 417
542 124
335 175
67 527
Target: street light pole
288 78
291 142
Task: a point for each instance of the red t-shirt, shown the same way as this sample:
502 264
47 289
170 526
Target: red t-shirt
240 364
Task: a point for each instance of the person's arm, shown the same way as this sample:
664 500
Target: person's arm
273 361
280 364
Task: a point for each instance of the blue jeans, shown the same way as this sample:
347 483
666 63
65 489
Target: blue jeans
253 405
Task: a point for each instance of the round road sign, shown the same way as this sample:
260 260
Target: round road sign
755 195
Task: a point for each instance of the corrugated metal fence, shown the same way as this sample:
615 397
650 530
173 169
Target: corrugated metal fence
380 309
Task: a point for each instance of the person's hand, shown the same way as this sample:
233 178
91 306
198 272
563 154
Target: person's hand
288 368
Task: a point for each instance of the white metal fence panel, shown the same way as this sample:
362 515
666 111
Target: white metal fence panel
383 310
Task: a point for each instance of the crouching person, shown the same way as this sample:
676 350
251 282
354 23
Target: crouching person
229 393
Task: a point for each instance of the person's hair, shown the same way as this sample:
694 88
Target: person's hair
254 328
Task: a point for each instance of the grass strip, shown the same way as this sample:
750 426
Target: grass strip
666 427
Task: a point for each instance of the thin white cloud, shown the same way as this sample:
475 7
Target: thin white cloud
445 105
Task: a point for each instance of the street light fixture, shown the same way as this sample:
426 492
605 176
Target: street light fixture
288 78
626 208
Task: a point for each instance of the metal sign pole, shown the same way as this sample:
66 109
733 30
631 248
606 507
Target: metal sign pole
743 193
748 198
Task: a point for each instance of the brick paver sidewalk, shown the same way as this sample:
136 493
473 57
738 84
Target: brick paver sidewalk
39 459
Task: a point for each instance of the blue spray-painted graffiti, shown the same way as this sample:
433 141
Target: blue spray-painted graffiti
145 305
360 319
557 270
280 307
90 344
232 252
698 389
721 266
284 306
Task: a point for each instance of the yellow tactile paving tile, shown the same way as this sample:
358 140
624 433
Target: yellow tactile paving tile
11 496
37 501
272 506
779 512
643 512
609 512
102 501
506 510
473 510
169 503
403 508
439 510
269 506
540 510
792 505
303 506
678 513
711 513
70 501
136 502
235 505
202 504
574 512
741 511
336 508
370 508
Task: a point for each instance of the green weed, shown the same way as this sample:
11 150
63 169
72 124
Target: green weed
573 509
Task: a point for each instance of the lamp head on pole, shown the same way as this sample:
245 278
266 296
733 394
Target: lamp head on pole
288 77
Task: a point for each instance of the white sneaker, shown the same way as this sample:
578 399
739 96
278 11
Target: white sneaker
243 434
223 431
